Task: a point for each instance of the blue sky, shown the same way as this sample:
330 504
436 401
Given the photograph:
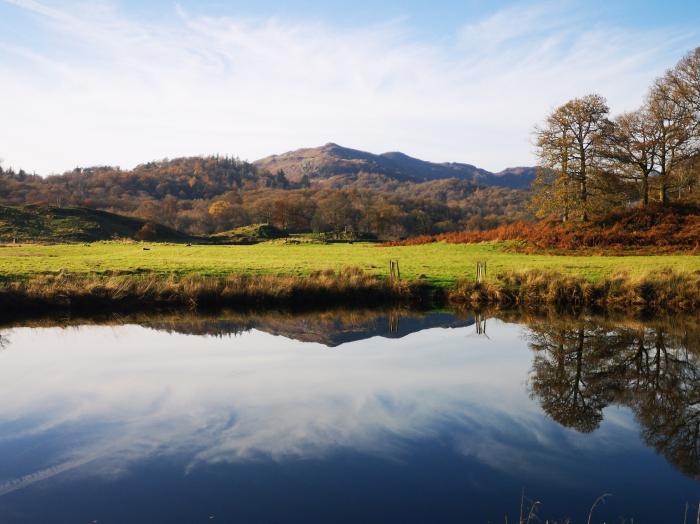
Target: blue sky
123 82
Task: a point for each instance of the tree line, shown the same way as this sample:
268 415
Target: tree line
204 195
591 163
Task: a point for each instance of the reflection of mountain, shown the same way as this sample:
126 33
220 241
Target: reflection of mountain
331 329
581 367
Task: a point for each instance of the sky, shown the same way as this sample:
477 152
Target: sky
122 82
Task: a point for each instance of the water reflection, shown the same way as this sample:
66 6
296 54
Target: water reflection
556 405
330 328
581 367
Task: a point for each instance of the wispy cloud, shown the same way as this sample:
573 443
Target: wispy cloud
110 88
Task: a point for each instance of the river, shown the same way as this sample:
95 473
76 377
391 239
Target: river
350 416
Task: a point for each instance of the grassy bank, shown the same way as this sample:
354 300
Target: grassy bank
440 264
127 275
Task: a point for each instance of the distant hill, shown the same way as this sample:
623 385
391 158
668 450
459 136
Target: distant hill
384 196
76 224
332 160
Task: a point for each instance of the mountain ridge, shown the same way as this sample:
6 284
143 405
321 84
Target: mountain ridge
323 162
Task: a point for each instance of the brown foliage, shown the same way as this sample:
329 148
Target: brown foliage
658 291
147 232
208 195
654 227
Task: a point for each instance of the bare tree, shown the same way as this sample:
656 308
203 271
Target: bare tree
684 79
672 125
570 145
685 82
632 145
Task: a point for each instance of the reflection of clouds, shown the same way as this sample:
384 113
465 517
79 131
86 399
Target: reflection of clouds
113 396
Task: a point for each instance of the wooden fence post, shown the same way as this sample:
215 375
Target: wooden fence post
480 272
394 271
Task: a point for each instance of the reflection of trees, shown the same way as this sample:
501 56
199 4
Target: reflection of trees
566 385
4 342
581 367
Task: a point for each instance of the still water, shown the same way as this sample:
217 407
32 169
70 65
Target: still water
350 417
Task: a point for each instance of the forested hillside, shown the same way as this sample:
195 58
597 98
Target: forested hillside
204 195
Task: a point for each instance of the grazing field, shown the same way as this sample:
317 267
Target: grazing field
441 264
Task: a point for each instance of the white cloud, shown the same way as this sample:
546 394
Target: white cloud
118 90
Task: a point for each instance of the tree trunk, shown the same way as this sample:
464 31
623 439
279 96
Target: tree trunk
663 190
582 184
663 179
645 189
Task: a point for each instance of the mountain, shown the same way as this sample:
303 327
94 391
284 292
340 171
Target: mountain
75 224
332 160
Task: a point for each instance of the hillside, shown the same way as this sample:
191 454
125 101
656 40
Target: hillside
53 224
332 160
386 196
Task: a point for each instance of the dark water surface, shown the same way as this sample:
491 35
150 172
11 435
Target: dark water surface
350 417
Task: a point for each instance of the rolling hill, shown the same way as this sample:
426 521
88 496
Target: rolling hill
76 224
334 161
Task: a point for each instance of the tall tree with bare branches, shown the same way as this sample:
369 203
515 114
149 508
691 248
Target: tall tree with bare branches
570 147
631 146
672 124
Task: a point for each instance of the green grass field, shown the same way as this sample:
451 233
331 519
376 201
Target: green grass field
442 264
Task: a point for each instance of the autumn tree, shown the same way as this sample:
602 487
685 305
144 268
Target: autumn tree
147 232
684 80
672 125
631 145
570 149
280 180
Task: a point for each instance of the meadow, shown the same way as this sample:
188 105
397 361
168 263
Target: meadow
439 263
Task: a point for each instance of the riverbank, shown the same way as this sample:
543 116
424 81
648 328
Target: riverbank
661 291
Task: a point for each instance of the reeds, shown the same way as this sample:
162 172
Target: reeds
143 291
658 291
